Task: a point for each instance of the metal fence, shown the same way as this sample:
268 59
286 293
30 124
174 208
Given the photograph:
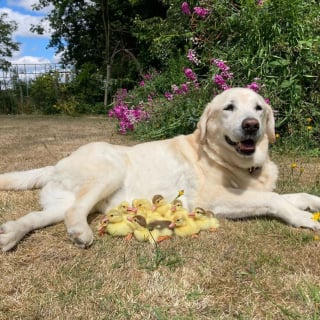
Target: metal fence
27 72
16 82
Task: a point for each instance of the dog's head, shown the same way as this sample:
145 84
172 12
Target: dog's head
237 121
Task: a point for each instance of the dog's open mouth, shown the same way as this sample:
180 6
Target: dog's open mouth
245 147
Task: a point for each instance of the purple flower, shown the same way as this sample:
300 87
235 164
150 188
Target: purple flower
169 96
226 75
190 74
254 86
185 8
201 12
127 117
219 80
142 83
184 87
220 64
192 56
175 89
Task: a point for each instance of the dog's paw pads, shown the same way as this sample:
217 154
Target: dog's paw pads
9 235
82 239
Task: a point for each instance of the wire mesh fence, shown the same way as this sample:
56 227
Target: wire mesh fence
17 80
27 72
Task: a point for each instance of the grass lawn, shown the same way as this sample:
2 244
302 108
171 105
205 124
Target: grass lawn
253 269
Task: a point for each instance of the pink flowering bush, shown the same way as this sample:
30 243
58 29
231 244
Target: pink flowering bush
201 12
128 117
209 46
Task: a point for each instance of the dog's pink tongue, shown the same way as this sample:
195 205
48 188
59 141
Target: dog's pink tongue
247 145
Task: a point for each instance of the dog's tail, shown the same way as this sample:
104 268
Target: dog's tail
24 180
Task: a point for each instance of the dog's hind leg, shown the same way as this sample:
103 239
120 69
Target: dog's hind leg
86 199
12 232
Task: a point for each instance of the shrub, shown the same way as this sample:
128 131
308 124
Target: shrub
273 43
45 91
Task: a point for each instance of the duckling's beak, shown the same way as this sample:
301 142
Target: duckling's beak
172 225
191 214
174 208
130 219
132 209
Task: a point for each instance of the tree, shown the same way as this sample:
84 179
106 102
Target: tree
92 31
7 45
98 32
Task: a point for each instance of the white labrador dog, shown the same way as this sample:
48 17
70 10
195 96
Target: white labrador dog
223 166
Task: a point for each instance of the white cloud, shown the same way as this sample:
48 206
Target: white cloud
24 22
27 5
30 60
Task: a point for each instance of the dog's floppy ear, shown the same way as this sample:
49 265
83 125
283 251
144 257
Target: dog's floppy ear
270 130
202 124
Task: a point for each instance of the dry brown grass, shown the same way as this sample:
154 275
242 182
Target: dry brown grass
256 269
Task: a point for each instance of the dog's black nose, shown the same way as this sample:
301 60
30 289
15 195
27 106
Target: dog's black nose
250 125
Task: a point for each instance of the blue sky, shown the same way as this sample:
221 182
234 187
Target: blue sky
33 47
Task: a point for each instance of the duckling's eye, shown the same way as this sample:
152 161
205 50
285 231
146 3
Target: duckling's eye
229 107
111 215
140 205
258 108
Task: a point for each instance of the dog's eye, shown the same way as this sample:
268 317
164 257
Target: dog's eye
229 107
258 107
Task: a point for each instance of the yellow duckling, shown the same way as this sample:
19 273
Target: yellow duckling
143 207
160 205
124 207
157 231
141 231
102 226
118 225
160 230
176 207
204 219
184 226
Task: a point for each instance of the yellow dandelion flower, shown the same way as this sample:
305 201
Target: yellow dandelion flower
277 135
316 216
180 193
308 120
293 165
316 238
309 128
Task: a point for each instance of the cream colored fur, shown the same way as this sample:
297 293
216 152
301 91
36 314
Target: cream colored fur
211 171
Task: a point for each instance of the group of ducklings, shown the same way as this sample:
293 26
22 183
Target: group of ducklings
156 220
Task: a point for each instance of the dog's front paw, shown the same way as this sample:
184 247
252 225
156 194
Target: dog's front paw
305 220
11 233
81 236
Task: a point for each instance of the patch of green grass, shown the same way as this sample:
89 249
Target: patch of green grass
159 257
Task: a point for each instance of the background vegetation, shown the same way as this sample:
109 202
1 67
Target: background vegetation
163 55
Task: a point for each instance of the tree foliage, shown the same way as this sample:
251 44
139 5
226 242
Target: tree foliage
97 32
7 45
